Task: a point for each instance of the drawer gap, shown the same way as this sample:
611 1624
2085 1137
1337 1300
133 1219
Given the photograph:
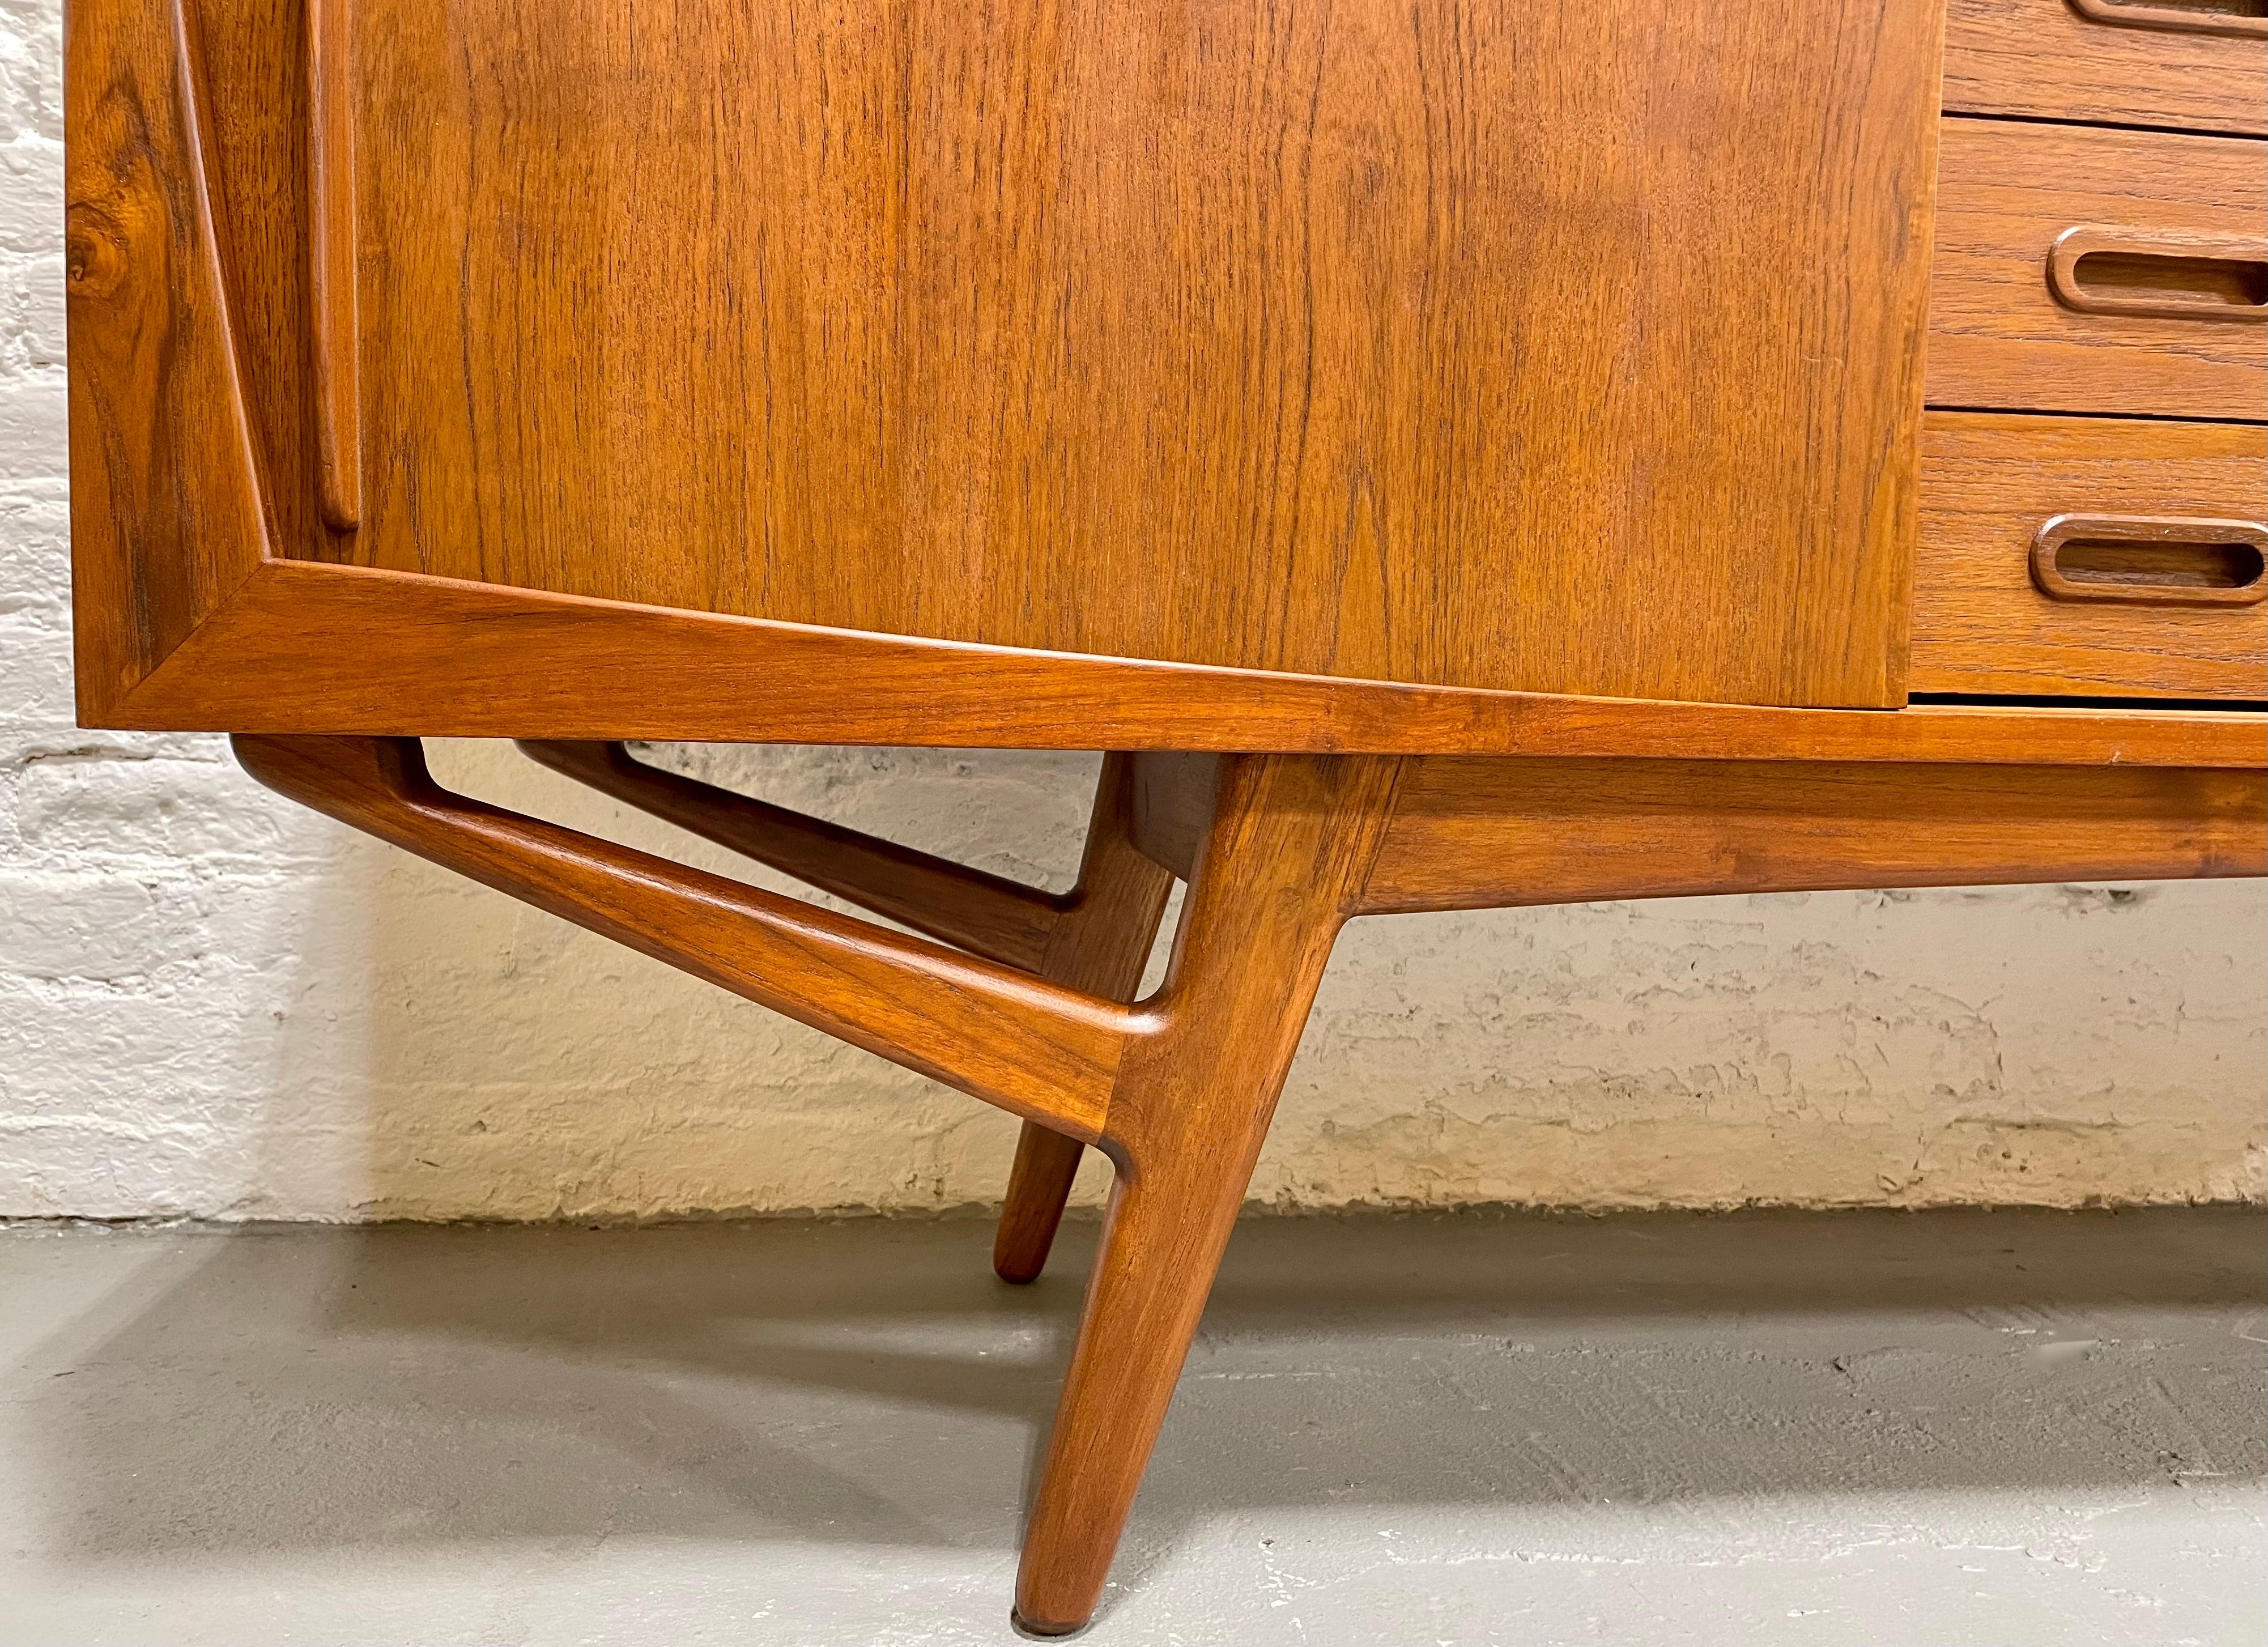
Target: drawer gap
2075 701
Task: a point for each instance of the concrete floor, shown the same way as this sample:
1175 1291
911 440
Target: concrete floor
1994 1428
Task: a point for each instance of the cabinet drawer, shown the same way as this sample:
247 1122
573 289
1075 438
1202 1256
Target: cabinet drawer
1990 483
2152 304
2193 66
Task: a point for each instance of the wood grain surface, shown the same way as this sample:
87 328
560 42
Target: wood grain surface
1999 340
1488 834
166 517
1558 348
312 648
2048 59
331 258
1991 482
258 140
188 471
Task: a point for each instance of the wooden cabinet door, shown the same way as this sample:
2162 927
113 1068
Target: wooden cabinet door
1570 348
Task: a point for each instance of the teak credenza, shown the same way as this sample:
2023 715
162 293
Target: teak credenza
1450 452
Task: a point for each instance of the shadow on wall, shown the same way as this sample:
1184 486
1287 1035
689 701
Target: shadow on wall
868 1382
461 1055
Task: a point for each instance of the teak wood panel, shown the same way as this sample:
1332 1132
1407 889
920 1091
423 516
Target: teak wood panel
2112 63
1989 481
1999 339
331 262
188 473
339 649
1492 834
1557 348
167 516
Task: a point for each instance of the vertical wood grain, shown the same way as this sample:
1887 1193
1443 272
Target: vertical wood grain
254 136
331 259
1569 348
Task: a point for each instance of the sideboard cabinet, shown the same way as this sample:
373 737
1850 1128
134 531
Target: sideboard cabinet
1448 453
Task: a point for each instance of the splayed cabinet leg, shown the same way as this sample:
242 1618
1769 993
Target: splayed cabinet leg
1283 863
1099 945
1039 1184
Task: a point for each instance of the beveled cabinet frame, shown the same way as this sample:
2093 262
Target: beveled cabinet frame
1289 803
191 617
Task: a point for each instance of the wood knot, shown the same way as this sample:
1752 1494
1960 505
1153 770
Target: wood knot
95 252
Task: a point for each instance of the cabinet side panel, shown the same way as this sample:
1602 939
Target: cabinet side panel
1563 348
165 509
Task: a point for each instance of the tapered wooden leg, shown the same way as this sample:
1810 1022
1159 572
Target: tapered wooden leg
1039 1183
1286 857
1100 944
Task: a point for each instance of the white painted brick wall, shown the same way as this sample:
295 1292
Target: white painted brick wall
212 1004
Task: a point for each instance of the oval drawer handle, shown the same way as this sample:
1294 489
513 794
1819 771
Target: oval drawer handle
2159 273
2185 19
2152 560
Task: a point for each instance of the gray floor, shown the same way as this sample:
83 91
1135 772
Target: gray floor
1980 1426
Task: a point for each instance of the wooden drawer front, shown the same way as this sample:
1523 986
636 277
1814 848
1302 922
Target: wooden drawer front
2185 340
2180 65
1989 483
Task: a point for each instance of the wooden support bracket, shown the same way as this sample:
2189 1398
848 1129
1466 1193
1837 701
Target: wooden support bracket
1043 1051
1001 920
1178 1092
1095 937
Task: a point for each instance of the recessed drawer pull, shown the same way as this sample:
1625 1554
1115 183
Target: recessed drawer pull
2146 272
2151 560
2187 17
